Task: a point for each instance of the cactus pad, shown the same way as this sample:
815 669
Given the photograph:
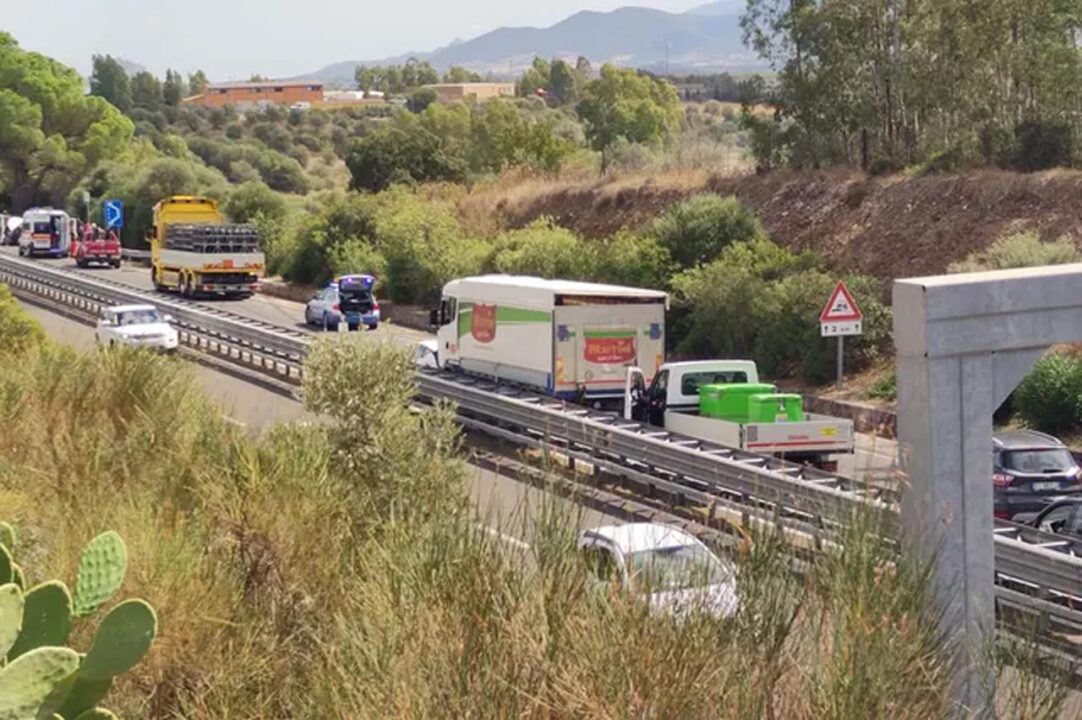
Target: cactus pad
6 565
7 536
18 577
97 714
46 618
101 572
84 696
11 616
26 683
122 640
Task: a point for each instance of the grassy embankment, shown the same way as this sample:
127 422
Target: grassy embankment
336 570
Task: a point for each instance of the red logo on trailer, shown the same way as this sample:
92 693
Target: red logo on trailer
841 307
483 324
609 350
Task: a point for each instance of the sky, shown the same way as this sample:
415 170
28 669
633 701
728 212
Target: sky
232 39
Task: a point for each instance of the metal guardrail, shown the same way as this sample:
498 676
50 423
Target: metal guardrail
275 353
1036 573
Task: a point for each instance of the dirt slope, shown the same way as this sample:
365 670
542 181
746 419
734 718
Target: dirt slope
887 227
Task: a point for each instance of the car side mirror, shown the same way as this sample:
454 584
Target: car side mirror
434 317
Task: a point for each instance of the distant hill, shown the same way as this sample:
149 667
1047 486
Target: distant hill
705 39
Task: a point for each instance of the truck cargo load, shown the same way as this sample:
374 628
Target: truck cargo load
195 252
571 340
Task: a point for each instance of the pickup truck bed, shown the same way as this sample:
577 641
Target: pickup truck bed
818 435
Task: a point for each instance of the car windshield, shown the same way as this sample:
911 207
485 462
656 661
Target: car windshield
138 317
673 568
1052 460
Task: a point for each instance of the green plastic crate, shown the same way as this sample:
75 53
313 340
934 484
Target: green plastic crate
730 401
775 407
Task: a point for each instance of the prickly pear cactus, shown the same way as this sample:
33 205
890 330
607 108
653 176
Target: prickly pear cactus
26 683
42 679
84 696
47 614
121 641
6 566
97 714
11 616
102 567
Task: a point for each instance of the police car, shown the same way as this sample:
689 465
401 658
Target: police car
349 298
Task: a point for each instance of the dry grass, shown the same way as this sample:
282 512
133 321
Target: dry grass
335 571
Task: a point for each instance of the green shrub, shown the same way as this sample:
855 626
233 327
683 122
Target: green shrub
635 260
18 331
696 230
252 199
885 388
1019 250
234 131
1041 145
1049 399
281 172
357 256
761 302
543 249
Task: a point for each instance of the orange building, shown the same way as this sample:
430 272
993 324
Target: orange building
240 94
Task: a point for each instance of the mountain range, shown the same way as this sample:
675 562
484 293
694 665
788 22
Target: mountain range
704 39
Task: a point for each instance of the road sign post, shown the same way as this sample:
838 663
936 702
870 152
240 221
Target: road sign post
841 317
113 211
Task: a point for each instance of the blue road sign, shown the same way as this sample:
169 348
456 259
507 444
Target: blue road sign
114 214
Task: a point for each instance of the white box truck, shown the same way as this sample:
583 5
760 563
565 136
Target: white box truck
571 340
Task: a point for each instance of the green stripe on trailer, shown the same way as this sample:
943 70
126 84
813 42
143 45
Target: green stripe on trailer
610 333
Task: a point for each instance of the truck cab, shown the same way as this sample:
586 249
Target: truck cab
725 402
676 386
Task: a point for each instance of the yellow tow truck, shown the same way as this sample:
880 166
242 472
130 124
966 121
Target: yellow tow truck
195 252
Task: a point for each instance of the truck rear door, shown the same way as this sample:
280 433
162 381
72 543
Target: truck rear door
604 354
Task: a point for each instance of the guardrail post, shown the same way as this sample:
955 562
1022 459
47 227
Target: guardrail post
964 342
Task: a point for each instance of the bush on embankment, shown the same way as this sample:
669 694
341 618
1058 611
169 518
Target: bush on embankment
335 569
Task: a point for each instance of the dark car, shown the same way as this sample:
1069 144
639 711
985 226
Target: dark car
1030 470
1062 517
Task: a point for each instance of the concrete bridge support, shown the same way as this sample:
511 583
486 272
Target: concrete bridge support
964 342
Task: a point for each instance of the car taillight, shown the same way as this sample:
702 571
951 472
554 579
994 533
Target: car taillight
335 307
375 305
1001 480
1002 515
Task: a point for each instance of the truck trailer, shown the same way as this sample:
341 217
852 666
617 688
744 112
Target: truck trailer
193 251
570 340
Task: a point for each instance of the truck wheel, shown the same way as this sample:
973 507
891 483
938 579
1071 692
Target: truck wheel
115 264
81 263
154 280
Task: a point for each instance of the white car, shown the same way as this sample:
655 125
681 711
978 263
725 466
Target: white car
674 568
136 326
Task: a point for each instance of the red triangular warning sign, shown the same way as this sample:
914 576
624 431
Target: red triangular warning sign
841 307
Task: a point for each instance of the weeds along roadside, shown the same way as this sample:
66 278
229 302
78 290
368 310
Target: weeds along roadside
335 570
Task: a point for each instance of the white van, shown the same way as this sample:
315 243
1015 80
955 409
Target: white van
571 340
45 231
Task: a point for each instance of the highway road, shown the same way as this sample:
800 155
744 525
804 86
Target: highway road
500 501
874 456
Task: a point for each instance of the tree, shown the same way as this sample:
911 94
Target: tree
417 73
173 89
146 91
696 230
50 132
458 74
197 82
566 83
253 200
624 104
368 77
109 80
421 98
402 152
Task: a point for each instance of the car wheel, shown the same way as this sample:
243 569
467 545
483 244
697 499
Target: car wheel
373 327
354 327
329 324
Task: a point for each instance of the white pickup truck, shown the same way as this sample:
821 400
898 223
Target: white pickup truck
672 402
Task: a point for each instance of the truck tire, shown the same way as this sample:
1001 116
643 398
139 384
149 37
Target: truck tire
154 279
115 264
79 262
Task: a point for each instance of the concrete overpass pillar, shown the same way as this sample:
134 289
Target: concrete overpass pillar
964 342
